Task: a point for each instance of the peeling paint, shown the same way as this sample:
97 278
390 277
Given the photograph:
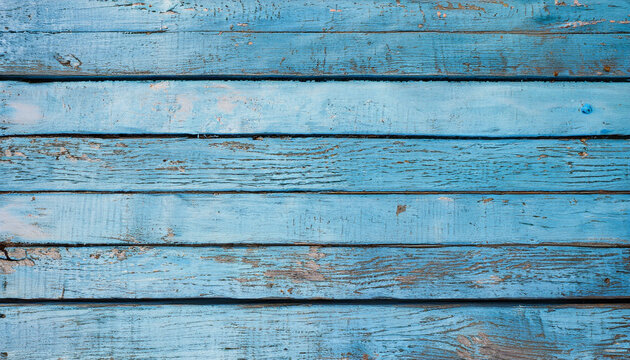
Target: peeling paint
576 24
16 257
37 253
162 85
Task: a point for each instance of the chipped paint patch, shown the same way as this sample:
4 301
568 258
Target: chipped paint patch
69 60
313 252
17 257
234 145
8 267
459 6
576 24
51 253
162 85
118 254
309 272
9 153
169 235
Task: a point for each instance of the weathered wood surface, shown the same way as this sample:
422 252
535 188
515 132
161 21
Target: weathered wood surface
308 272
286 107
431 54
466 332
287 164
449 219
300 15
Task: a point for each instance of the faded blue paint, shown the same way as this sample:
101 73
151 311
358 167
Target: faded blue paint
286 107
339 164
484 246
595 16
448 219
431 54
309 272
220 332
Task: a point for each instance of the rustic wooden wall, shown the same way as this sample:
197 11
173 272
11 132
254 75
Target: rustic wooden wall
244 179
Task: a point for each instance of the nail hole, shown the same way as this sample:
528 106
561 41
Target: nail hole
586 109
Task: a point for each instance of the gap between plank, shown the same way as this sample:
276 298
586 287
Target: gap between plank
322 32
311 78
595 301
258 136
10 244
322 192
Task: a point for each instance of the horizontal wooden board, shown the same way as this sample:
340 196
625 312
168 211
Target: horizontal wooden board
308 272
288 218
291 107
288 164
314 54
316 332
301 15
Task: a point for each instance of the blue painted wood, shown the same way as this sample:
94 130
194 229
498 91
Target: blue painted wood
449 219
288 164
432 54
299 15
540 246
285 107
309 272
316 332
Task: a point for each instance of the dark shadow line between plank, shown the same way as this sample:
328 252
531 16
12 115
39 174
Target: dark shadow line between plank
311 78
229 31
316 192
262 136
271 302
245 245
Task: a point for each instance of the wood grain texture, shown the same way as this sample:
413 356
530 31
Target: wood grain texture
288 164
286 107
449 219
316 332
314 54
300 15
309 272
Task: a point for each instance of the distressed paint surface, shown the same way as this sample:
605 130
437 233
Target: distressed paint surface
287 164
285 107
116 201
308 272
323 16
431 54
317 332
449 219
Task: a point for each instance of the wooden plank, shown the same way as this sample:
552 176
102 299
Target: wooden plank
300 15
292 164
290 107
453 219
308 272
523 332
314 54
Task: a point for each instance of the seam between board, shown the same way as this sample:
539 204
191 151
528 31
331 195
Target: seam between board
260 136
569 301
41 78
